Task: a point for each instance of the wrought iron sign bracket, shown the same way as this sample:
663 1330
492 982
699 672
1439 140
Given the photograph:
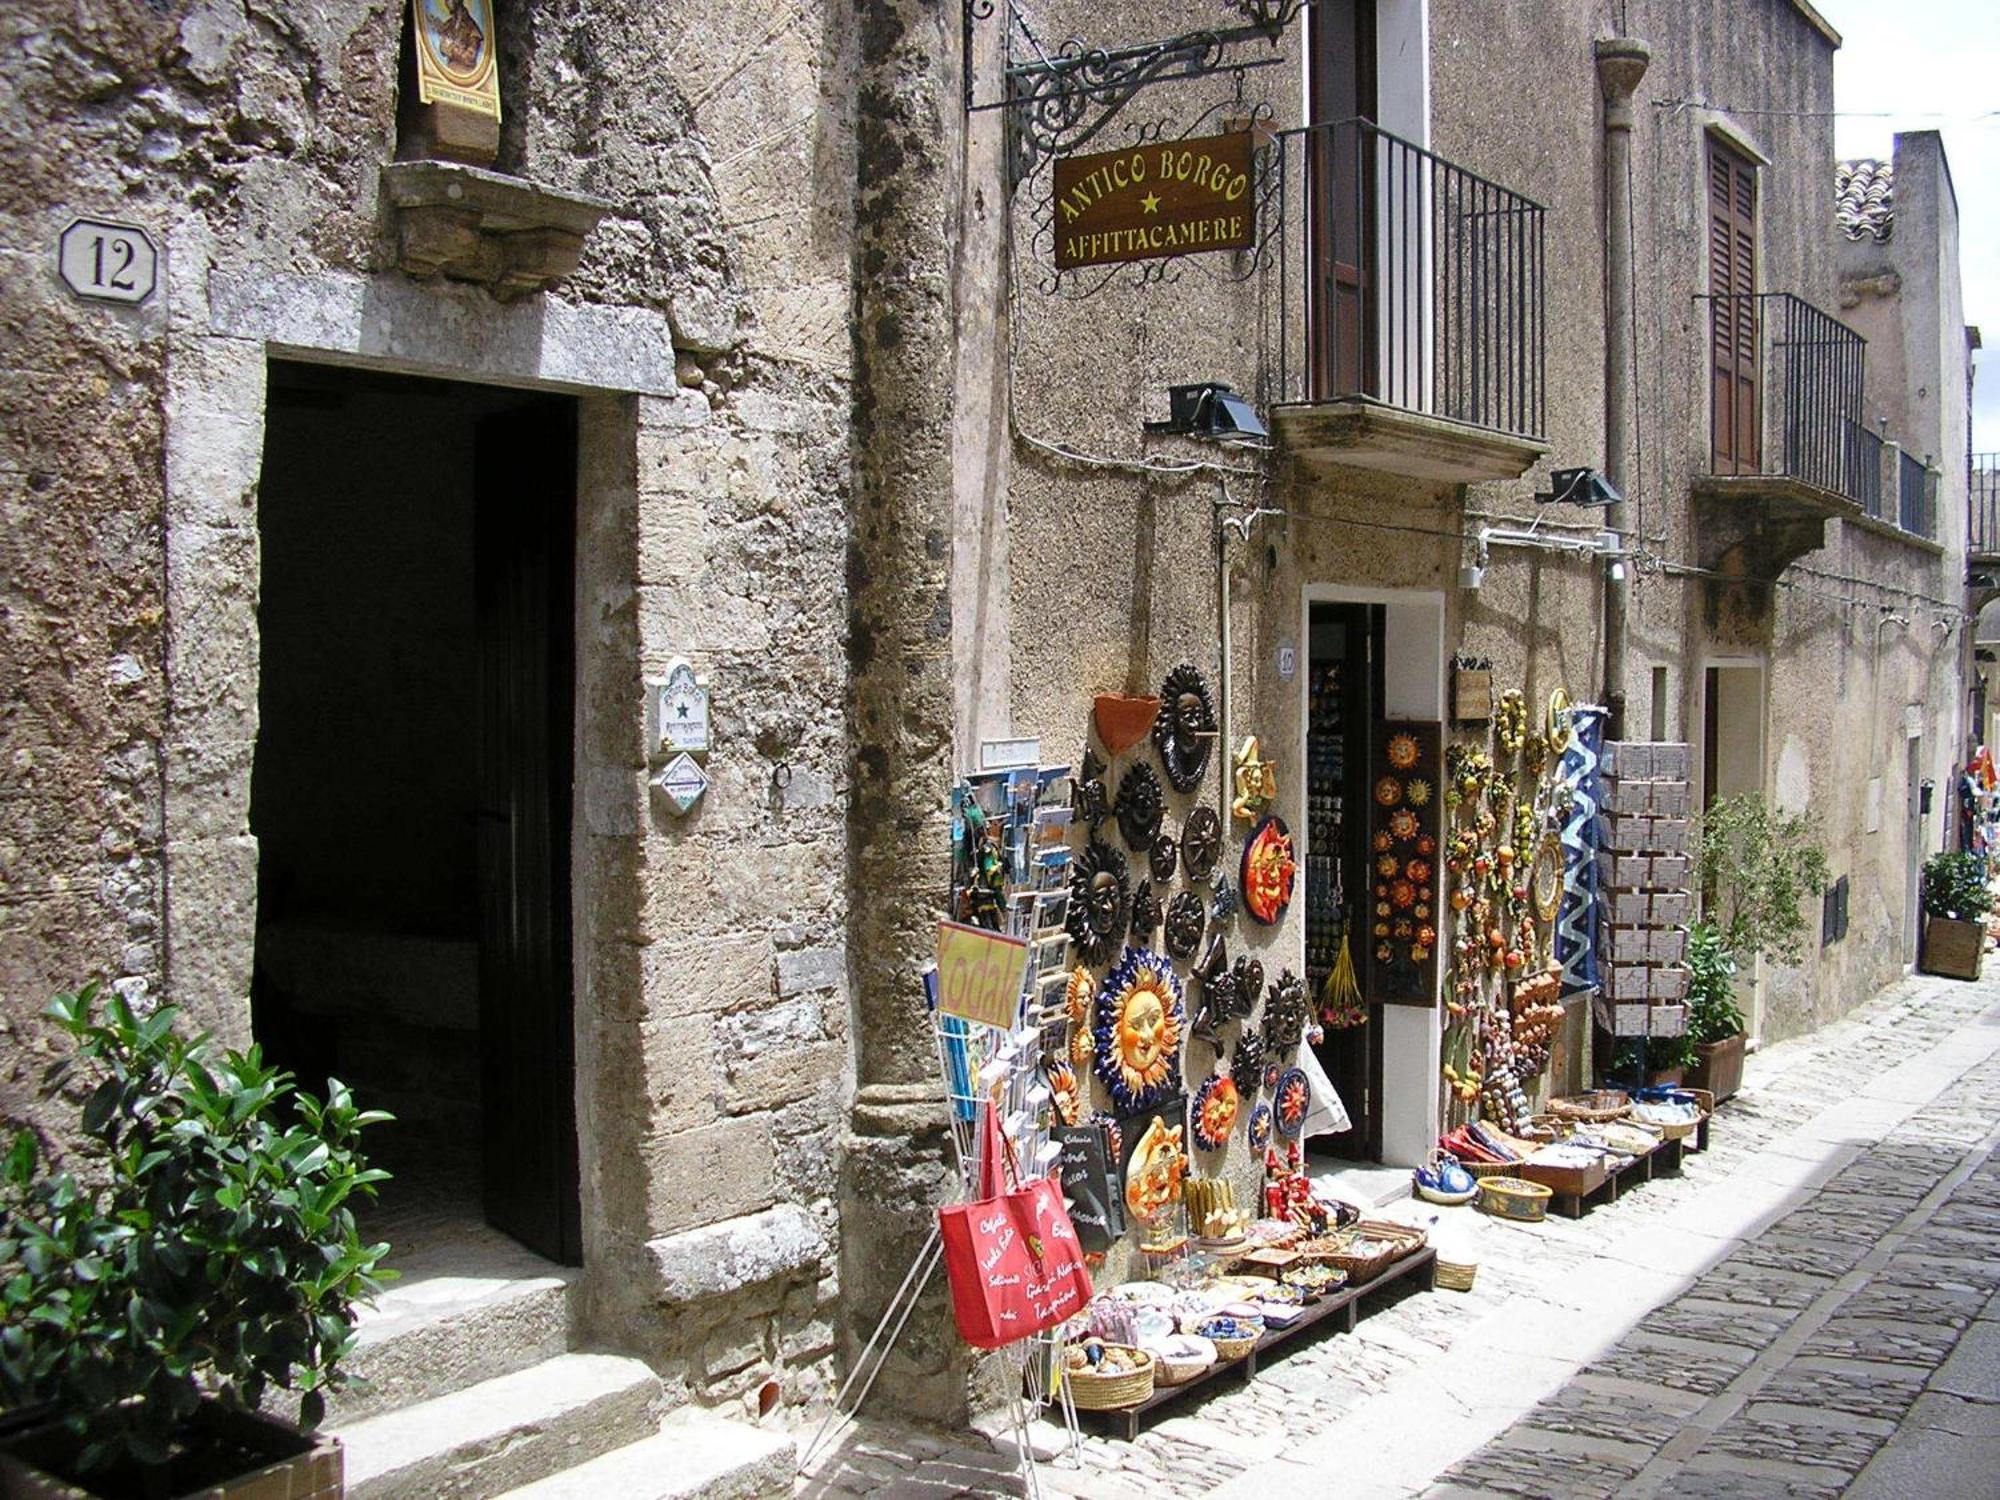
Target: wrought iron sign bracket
1058 102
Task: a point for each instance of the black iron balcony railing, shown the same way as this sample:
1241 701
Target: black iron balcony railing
1915 506
1409 282
1864 462
1785 386
1984 531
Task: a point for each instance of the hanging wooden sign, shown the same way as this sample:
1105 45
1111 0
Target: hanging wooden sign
1149 202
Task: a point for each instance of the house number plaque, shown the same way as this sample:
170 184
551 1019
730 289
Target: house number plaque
108 262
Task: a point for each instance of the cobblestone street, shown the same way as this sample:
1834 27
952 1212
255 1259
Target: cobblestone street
1808 1309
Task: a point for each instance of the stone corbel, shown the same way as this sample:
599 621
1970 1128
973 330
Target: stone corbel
471 224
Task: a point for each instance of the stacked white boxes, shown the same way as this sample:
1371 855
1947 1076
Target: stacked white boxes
1644 904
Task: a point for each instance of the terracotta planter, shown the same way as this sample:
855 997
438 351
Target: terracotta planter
1718 1067
1123 720
282 1461
1952 947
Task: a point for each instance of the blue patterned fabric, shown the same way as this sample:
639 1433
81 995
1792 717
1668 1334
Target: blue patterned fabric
1576 920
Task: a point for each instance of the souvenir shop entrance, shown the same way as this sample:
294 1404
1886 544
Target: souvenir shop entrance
1344 694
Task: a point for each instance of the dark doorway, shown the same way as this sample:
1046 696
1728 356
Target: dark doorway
412 782
1343 710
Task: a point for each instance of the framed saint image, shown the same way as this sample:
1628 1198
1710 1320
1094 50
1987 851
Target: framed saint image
456 54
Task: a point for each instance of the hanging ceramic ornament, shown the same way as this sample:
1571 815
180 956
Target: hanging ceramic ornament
1256 783
1221 898
1163 857
1076 1005
1185 921
1090 802
1184 733
1260 1127
1249 985
1285 1016
1146 914
1139 1016
1246 1064
1138 808
1214 1115
1268 870
1099 902
1292 1100
1201 843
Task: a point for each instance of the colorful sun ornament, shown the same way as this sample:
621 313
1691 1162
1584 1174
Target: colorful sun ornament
1402 751
1418 791
1076 1004
1153 1175
1382 842
1068 1098
1403 824
1419 872
1293 1100
1388 791
1268 870
1215 1109
1140 1015
1388 864
1260 1127
1402 895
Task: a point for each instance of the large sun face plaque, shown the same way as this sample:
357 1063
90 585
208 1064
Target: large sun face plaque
1139 1018
1269 869
1185 731
1099 902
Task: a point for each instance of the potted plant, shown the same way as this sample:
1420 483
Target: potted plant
1755 865
1956 901
1715 1026
199 1251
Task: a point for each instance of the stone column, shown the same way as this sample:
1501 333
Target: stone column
909 133
1621 63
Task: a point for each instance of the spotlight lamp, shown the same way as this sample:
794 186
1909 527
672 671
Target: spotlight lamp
1210 410
1579 487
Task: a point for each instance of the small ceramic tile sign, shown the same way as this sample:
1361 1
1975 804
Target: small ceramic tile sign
106 261
677 713
681 783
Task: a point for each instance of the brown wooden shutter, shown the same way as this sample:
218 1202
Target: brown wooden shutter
1734 311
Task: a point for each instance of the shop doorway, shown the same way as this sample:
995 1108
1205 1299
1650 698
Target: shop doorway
411 788
1344 697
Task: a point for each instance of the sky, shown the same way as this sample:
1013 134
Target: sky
1935 65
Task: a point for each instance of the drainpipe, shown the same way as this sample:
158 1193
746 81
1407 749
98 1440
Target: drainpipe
1621 63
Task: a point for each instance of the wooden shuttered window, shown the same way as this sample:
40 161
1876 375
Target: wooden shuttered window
1733 311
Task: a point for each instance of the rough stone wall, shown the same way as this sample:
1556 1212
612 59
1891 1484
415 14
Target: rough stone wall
712 990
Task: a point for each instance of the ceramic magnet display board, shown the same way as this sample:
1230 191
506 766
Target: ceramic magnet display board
1403 928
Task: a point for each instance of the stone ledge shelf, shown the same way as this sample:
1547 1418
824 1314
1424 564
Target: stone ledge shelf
1357 433
718 1259
512 236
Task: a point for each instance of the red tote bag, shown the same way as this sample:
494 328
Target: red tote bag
1011 1254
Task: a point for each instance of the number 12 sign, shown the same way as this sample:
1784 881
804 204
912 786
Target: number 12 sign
108 262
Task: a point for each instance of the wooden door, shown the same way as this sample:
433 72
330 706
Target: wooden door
1734 426
525 482
1341 195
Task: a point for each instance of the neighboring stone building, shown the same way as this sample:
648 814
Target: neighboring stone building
341 569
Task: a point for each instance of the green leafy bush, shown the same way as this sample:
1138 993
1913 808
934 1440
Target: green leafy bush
1955 886
1755 867
1712 1012
205 1244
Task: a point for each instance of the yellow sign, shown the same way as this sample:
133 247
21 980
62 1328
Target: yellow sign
455 55
1160 199
980 974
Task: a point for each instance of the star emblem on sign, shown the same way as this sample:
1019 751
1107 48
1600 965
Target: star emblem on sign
1151 203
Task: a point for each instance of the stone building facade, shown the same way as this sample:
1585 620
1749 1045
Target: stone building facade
847 443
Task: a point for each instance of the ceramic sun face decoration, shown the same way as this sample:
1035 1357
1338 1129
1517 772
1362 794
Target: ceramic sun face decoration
1139 1017
1260 1127
1268 868
1153 1175
1292 1101
1146 914
1099 902
1246 1064
1184 733
1138 808
1089 801
1214 1113
1285 1015
1201 843
1256 781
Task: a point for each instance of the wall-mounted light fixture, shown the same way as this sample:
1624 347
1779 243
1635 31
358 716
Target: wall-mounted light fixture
1209 409
1579 487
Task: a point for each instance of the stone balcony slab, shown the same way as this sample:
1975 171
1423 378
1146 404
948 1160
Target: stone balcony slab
510 235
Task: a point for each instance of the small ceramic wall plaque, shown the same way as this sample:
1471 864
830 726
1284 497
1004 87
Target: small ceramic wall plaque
677 713
682 784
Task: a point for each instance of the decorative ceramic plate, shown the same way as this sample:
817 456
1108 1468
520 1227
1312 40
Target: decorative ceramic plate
1403 824
1418 791
1388 791
1268 868
1260 1127
1214 1114
1293 1100
1402 751
1419 872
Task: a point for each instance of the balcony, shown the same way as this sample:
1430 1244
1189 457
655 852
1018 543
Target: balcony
1410 310
1982 541
1787 448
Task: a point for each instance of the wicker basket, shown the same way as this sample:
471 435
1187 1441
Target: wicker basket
1456 1275
1232 1348
1094 1392
1394 1241
1479 1169
1596 1107
1511 1198
1169 1370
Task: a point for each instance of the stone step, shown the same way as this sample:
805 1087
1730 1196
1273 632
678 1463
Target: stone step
481 1309
499 1434
694 1453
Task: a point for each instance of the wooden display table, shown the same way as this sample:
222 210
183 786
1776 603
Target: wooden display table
1343 1305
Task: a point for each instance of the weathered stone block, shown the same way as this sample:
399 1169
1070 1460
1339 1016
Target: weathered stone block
811 969
709 1174
722 1259
783 1076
